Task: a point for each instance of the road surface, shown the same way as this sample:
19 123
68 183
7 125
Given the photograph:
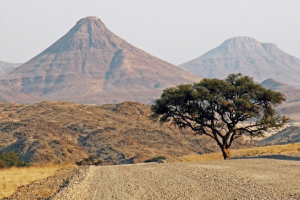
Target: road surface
231 179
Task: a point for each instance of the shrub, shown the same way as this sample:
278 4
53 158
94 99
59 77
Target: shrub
22 164
91 160
2 164
155 159
11 159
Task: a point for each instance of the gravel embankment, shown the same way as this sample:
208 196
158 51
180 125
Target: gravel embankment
232 179
50 186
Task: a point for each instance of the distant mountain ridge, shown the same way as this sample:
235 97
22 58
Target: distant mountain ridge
273 84
7 67
290 107
91 65
247 56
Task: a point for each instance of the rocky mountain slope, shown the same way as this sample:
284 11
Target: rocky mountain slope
288 135
7 67
247 56
91 65
275 85
290 107
292 94
117 133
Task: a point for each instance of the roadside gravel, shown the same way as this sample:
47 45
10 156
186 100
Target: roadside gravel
48 187
231 179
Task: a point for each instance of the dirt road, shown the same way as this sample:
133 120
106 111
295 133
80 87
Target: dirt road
232 179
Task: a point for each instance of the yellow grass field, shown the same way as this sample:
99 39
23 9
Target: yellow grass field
275 149
12 178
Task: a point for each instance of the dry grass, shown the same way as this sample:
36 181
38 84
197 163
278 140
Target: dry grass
268 150
12 178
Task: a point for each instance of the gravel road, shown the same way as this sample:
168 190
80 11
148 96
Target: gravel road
231 179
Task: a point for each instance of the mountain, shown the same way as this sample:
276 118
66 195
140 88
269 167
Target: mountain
291 93
247 56
117 133
6 94
92 65
288 135
273 84
290 107
7 67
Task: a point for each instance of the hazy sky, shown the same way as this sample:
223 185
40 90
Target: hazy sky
173 30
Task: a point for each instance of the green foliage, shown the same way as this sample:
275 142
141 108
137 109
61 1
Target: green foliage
2 164
11 159
216 107
91 160
155 159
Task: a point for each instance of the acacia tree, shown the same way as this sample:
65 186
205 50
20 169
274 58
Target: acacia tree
219 109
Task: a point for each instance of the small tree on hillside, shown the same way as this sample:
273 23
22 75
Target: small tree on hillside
216 108
11 159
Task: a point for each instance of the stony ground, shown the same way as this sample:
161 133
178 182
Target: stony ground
50 186
233 179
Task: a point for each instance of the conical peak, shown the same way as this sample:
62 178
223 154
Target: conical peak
91 25
89 32
90 20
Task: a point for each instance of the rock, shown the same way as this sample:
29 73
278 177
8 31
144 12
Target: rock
161 161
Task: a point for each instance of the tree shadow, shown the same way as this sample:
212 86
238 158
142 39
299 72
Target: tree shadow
276 157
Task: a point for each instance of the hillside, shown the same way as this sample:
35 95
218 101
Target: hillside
286 136
91 65
247 56
117 133
290 107
7 67
274 84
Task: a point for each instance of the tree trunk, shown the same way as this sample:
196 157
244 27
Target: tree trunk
226 152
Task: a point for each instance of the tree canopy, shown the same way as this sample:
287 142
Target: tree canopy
217 108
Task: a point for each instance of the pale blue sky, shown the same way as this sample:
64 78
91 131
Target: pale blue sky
173 30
